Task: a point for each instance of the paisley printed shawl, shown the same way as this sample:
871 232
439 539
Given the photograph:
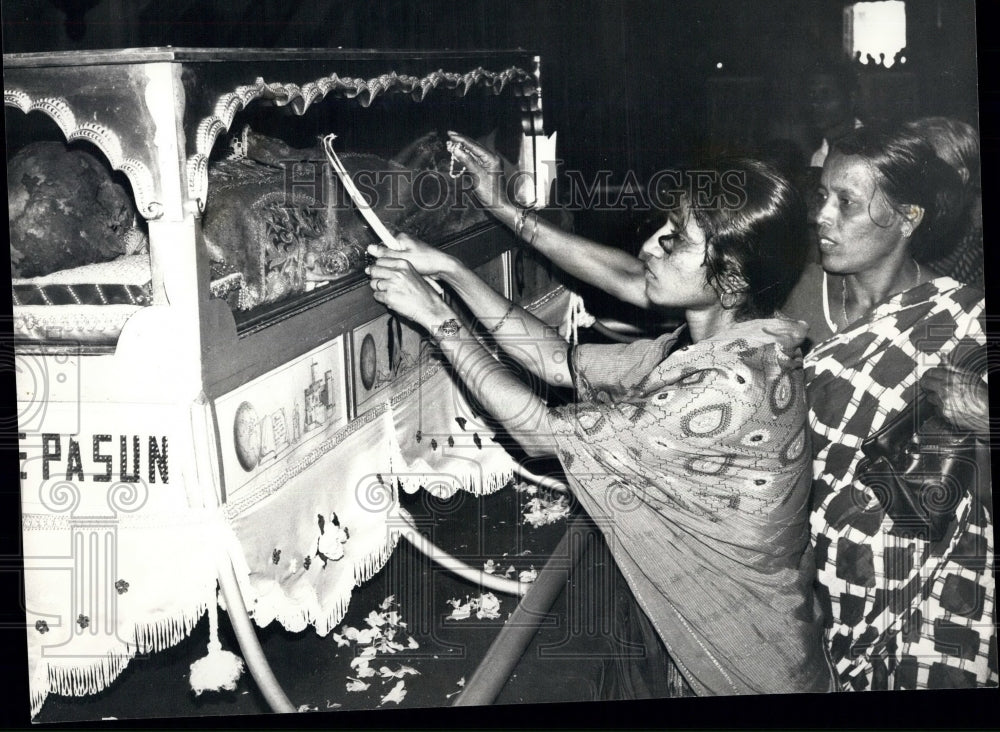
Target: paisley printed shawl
695 465
900 612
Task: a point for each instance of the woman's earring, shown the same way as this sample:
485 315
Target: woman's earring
728 300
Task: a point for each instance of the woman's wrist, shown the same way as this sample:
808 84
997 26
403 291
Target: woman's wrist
435 316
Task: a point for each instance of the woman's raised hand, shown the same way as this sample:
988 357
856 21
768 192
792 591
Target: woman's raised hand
485 167
961 396
398 286
424 258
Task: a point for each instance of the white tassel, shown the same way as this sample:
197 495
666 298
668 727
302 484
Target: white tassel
219 670
576 317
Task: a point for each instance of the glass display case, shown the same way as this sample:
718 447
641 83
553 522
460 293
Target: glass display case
197 348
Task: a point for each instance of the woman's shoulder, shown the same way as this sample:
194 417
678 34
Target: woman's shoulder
779 335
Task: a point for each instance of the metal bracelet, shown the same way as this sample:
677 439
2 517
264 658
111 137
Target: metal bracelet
500 322
534 230
522 214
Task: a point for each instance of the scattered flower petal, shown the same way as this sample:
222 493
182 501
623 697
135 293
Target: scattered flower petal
356 685
396 695
489 606
387 673
387 602
542 510
460 683
341 640
375 619
412 643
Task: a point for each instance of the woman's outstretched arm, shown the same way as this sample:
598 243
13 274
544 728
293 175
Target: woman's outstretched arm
612 270
398 286
530 341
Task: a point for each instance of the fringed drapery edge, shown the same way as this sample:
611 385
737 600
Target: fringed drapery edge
470 482
81 680
264 610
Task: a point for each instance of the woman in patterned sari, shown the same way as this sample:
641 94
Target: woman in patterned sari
689 451
903 610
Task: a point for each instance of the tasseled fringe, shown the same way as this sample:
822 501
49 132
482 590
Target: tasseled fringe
576 317
370 565
299 618
38 697
470 482
165 634
220 669
77 681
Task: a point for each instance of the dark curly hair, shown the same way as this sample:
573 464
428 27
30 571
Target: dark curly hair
909 172
756 231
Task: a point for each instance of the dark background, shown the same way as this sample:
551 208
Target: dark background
629 85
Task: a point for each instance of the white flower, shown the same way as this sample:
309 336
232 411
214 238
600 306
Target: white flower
528 575
361 667
489 606
396 695
490 567
387 673
375 619
356 685
461 611
341 640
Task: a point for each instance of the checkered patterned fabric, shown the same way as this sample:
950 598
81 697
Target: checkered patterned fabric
901 612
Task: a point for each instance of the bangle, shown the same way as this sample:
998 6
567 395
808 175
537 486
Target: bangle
522 214
534 230
500 322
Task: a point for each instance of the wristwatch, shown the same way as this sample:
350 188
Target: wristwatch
447 329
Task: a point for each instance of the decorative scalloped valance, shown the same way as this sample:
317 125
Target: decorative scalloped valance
103 138
365 91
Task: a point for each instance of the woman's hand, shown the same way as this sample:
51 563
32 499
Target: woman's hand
424 258
961 395
790 334
398 286
485 167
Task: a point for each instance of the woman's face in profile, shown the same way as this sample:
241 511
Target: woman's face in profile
857 226
674 258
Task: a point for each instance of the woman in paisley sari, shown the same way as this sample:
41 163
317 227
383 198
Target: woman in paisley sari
690 451
903 611
899 613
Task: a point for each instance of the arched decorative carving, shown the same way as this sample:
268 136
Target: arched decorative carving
365 91
103 138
